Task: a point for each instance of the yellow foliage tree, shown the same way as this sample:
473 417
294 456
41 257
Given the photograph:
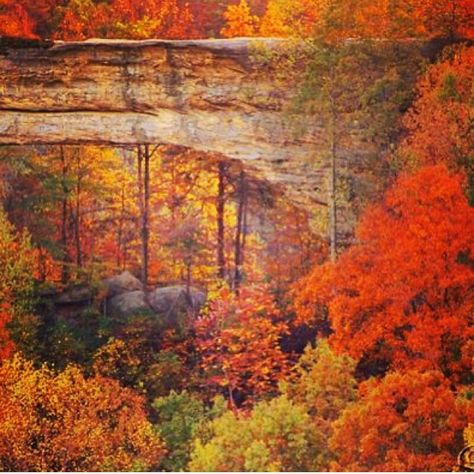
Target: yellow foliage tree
239 21
67 422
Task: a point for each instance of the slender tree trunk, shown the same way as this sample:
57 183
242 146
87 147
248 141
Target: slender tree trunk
220 221
188 280
120 240
238 234
231 404
141 208
245 223
146 214
64 216
333 189
77 220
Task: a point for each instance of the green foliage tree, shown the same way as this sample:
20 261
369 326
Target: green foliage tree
17 285
352 90
275 436
17 263
178 416
323 382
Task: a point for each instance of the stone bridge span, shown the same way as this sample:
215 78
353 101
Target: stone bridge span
210 95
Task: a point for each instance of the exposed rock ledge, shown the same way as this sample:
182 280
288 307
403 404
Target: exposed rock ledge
211 95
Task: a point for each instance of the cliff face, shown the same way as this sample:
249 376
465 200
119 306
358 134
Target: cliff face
210 95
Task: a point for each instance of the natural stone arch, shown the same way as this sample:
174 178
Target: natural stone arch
210 95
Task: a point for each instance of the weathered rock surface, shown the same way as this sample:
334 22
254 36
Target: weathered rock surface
123 283
128 303
171 303
211 95
75 295
176 299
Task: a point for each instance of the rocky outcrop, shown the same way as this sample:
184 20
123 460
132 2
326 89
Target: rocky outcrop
123 283
176 299
211 95
172 304
128 304
76 295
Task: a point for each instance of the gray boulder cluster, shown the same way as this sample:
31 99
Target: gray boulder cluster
125 296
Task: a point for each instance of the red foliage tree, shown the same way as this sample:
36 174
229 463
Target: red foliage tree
15 20
405 422
439 123
404 292
238 340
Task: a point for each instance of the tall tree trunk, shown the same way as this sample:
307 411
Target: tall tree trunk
244 223
141 208
64 216
77 220
146 214
120 240
238 233
188 280
220 221
333 189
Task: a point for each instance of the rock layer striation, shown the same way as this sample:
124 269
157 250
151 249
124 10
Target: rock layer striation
211 95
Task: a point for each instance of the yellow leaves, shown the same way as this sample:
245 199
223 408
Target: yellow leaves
469 434
59 417
240 22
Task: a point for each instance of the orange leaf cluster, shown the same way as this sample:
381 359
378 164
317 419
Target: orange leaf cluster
125 19
338 19
66 422
405 422
439 124
405 291
239 21
239 342
15 20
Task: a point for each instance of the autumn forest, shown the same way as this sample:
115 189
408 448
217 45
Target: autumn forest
182 305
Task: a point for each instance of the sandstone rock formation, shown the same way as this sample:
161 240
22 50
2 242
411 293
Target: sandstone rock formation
175 299
171 304
123 283
80 294
211 95
128 304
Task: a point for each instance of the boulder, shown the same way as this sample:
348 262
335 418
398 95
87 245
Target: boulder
75 295
128 303
173 301
123 283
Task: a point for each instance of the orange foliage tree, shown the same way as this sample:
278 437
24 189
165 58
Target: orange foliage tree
238 340
66 422
398 19
404 292
446 18
439 123
405 422
239 21
81 19
6 344
15 20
